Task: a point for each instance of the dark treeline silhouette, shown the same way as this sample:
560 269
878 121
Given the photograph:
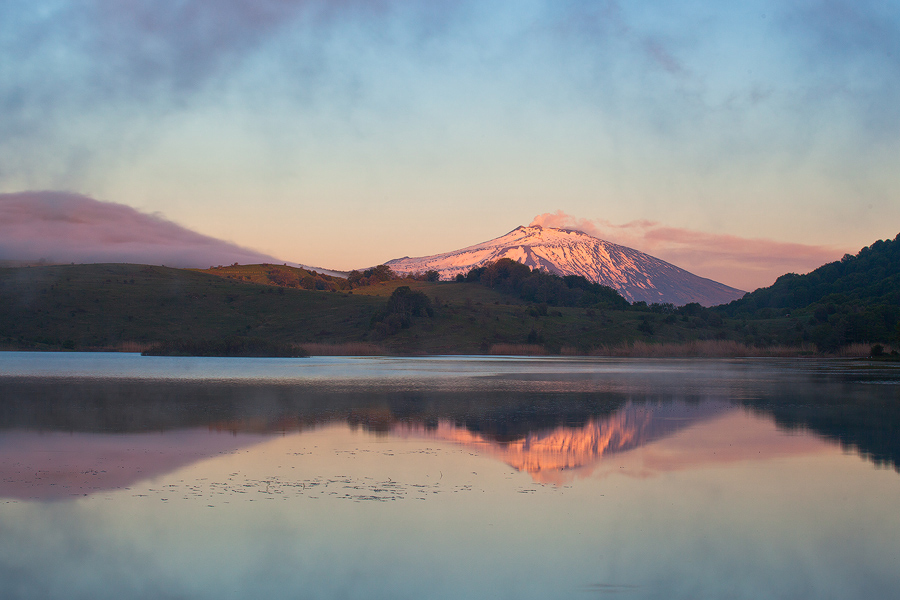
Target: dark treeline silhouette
534 285
385 273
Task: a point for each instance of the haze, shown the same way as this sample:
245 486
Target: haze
344 134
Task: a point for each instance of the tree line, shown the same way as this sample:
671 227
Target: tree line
537 286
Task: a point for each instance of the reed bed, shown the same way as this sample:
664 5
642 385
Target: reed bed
702 349
861 350
344 349
637 349
132 347
518 349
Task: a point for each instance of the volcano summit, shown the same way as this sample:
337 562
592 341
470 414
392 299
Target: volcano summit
635 275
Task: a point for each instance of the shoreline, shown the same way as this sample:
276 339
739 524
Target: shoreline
702 349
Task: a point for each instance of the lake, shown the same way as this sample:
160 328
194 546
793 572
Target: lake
124 476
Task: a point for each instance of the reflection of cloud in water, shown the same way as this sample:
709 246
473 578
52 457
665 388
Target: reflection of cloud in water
730 438
57 465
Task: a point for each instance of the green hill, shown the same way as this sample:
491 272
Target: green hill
122 306
856 299
107 305
131 307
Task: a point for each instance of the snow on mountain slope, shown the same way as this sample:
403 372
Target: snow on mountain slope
637 276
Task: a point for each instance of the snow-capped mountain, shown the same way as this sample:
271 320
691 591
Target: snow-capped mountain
637 276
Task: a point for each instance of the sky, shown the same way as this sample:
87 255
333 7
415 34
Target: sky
736 140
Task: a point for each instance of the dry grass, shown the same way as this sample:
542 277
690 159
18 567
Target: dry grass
345 349
854 351
860 350
518 350
702 349
132 346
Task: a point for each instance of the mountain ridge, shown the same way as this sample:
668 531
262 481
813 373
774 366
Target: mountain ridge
634 274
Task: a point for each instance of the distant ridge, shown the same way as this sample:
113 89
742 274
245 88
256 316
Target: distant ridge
637 276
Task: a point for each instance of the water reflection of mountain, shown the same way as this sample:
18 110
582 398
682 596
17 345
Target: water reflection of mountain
129 406
534 425
547 454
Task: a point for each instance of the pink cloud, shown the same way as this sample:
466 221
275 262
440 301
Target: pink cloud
745 263
67 227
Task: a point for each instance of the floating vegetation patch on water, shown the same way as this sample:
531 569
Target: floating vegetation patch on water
241 488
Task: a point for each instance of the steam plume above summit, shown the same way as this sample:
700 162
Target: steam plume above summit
747 263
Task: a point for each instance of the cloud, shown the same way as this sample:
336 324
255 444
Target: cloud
663 57
839 33
851 53
136 55
745 263
161 54
182 44
66 227
92 84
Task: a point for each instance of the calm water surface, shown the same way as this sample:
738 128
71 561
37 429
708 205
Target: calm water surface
452 477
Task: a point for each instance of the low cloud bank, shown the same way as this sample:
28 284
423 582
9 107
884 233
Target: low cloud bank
66 227
744 263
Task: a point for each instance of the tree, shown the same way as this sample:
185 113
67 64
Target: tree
381 273
405 301
402 306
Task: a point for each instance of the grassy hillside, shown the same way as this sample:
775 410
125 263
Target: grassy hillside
122 306
115 306
92 306
279 275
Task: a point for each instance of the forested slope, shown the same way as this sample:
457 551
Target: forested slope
855 299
